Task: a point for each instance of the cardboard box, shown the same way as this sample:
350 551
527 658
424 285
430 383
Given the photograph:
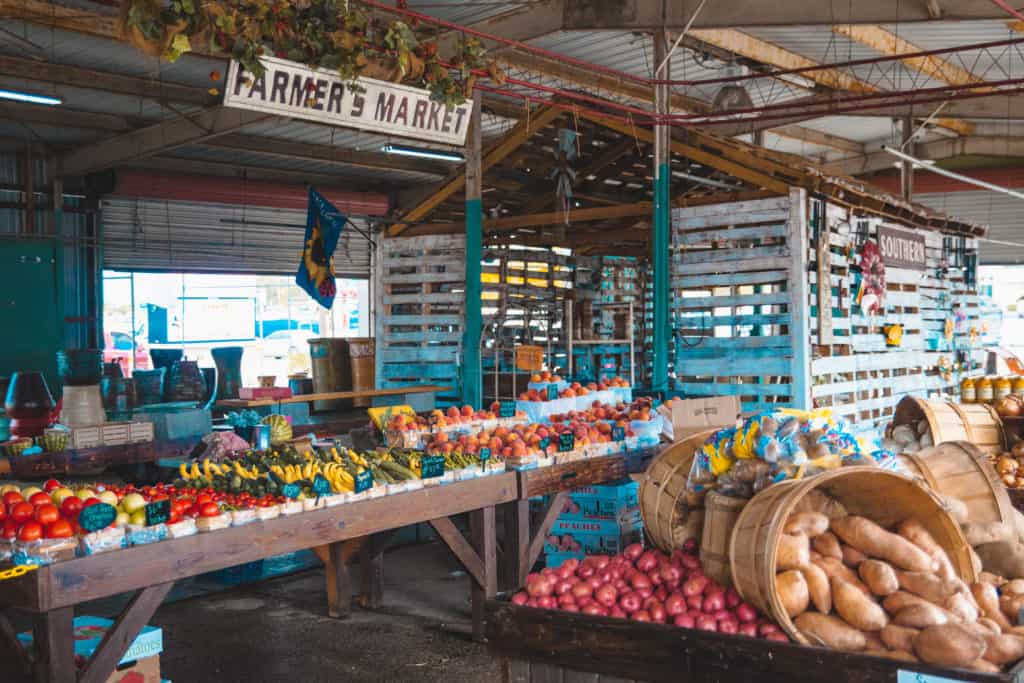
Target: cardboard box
89 632
686 417
145 670
616 501
605 537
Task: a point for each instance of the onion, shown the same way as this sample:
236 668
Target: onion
616 611
595 610
640 615
748 629
571 607
695 602
639 581
721 615
546 602
647 561
675 604
706 623
661 592
690 546
644 592
572 563
605 577
780 637
728 626
564 572
766 629
585 571
549 571
532 602
690 561
593 582
606 595
670 575
745 613
633 551
732 598
684 620
713 602
584 601
657 612
630 602
563 586
542 586
566 599
695 586
620 584
520 598
599 561
654 576
582 589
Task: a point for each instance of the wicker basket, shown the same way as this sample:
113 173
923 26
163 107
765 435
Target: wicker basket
670 515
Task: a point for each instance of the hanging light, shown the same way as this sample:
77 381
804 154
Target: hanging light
732 95
31 98
437 155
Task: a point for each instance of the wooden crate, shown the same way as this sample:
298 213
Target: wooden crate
545 646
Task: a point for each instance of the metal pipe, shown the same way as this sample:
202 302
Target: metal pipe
950 174
1012 12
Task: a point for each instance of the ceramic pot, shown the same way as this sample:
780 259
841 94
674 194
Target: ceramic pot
229 370
149 386
185 382
80 367
165 358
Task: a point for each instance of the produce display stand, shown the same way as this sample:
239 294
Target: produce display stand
547 646
90 461
241 404
524 544
51 593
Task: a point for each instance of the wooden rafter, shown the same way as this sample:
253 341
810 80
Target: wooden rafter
508 144
817 137
762 51
540 220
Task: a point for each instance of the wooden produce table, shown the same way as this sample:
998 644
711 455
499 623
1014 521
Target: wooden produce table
523 543
538 646
242 404
52 592
91 461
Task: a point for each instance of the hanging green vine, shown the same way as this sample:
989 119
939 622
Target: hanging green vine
323 33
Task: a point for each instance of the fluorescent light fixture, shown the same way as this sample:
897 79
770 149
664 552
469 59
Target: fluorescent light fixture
950 174
29 97
435 154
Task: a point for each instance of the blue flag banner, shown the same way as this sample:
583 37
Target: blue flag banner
316 269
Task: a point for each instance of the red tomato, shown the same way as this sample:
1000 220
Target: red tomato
40 498
10 529
12 497
71 506
50 485
22 512
30 531
203 498
192 511
47 514
60 529
3 512
91 501
209 509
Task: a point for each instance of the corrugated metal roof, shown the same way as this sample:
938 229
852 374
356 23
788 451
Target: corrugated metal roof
465 12
1003 214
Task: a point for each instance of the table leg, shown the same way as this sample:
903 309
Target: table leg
539 534
123 633
371 569
482 530
517 542
336 569
12 651
55 646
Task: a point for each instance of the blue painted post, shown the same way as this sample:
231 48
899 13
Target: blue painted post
662 221
469 373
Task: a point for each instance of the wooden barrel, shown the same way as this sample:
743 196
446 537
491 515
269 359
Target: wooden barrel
977 423
669 517
720 515
958 469
881 495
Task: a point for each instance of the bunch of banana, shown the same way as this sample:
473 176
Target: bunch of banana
341 480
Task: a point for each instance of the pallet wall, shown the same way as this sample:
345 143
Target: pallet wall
739 301
420 287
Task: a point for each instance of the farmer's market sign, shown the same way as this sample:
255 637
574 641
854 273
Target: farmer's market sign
295 90
902 249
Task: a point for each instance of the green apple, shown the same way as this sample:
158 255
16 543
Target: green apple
9 487
58 495
108 497
122 519
85 494
133 502
139 517
30 491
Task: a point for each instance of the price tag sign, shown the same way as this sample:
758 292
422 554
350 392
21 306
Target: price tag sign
158 512
618 433
552 392
96 517
485 455
566 442
915 677
432 466
321 487
291 491
364 481
544 443
507 409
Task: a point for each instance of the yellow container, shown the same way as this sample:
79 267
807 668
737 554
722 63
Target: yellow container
984 390
968 394
1001 388
1018 385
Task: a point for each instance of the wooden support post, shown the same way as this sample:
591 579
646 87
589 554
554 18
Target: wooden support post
124 631
11 650
482 531
540 533
371 569
662 222
54 641
339 584
907 167
799 300
470 371
517 543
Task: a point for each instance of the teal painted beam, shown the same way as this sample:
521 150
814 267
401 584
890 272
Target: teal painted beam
470 380
660 352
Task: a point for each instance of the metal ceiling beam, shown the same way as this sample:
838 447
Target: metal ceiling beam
46 72
817 137
63 118
646 15
936 150
531 21
156 139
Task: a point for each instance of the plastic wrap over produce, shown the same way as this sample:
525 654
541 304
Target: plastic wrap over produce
775 446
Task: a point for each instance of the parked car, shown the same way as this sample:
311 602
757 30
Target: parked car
285 352
117 348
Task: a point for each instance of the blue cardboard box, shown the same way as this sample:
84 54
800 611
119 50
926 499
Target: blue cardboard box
89 632
614 501
593 537
555 560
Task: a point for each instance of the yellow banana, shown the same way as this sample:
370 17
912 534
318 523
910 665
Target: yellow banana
195 470
206 467
183 471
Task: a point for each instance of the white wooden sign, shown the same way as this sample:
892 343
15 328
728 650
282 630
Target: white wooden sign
295 90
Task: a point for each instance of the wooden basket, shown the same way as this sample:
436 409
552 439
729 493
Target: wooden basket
957 469
977 423
669 518
883 496
720 515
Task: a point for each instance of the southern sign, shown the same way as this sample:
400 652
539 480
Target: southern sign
297 91
902 249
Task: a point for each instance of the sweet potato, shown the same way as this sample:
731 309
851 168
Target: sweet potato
1011 605
962 608
818 587
873 540
915 532
899 655
827 545
1005 558
831 632
872 641
816 501
980 630
984 666
948 645
927 585
1004 648
1015 630
980 533
811 523
900 599
1014 587
993 627
921 616
856 608
851 556
988 600
793 592
879 577
994 579
834 568
898 637
794 551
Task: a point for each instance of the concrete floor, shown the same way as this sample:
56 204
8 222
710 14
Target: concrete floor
278 630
